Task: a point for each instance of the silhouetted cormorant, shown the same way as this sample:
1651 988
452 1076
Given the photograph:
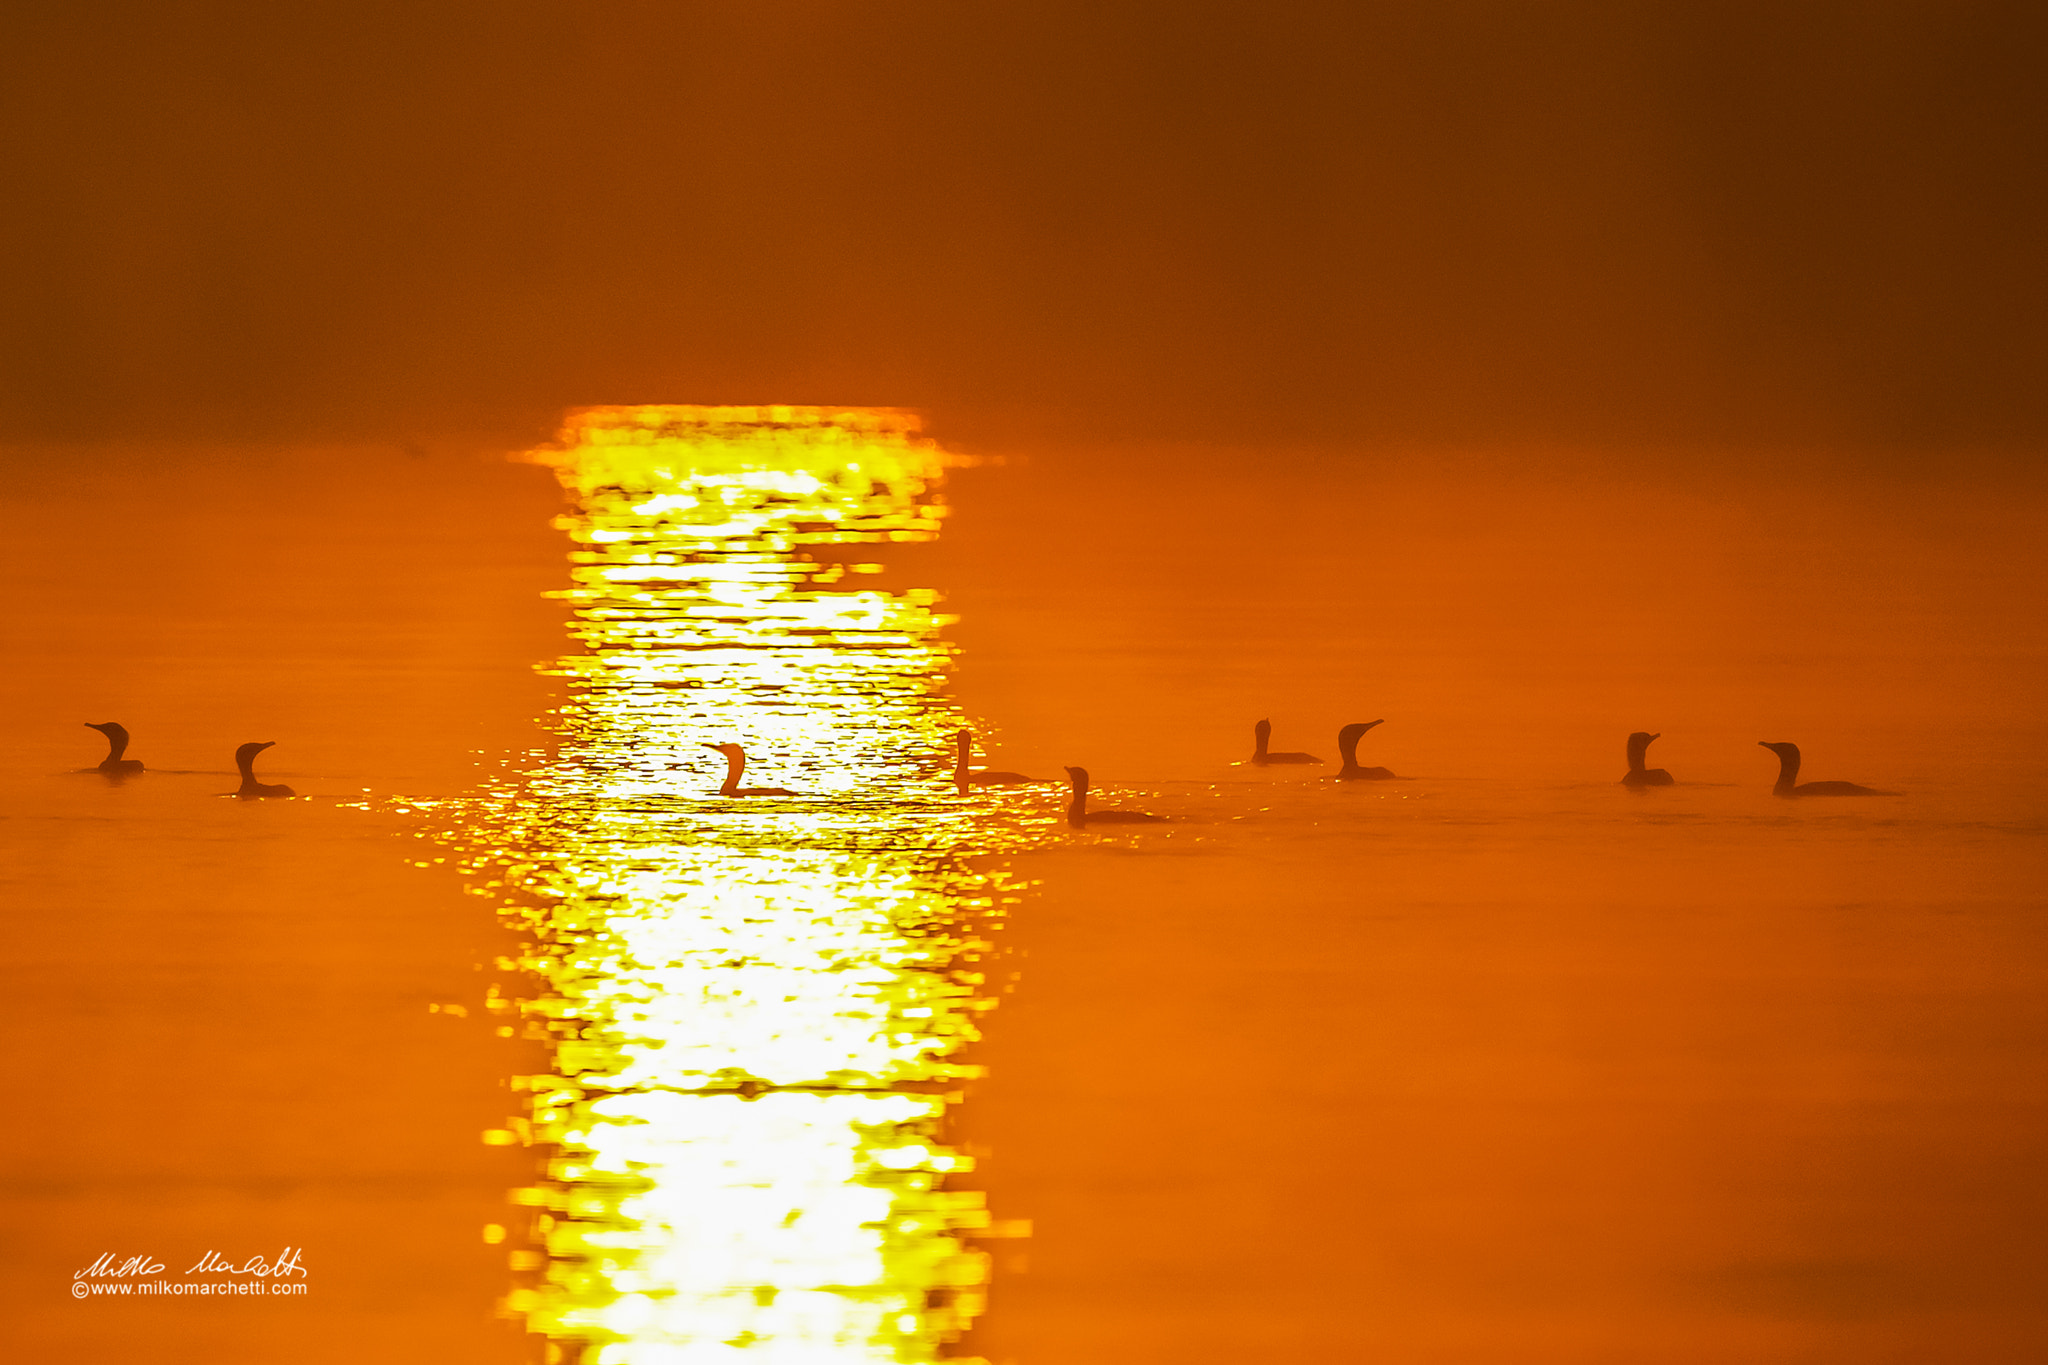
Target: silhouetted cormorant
735 765
1788 775
1080 817
1261 734
245 759
1638 775
982 777
1347 745
113 765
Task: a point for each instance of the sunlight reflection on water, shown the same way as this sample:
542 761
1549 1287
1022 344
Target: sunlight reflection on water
753 1005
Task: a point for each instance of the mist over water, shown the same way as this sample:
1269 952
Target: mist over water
1506 1061
1498 1061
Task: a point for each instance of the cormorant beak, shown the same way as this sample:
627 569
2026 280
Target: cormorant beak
266 744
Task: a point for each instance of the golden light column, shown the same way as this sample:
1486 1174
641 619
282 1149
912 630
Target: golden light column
753 1004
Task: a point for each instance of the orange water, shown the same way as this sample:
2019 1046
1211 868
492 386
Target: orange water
1500 1062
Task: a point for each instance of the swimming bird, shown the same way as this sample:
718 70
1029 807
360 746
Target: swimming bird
1638 775
117 744
735 765
1788 774
1347 745
983 777
245 759
1080 817
1261 734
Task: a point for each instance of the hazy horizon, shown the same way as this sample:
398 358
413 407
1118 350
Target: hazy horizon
1621 225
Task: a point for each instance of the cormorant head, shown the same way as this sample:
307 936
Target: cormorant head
1644 737
1079 778
729 750
247 753
1264 727
1790 751
1351 732
111 729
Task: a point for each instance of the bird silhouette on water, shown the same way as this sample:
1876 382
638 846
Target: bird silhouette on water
245 759
1347 745
1790 785
982 777
1080 817
1637 775
113 765
735 768
1262 734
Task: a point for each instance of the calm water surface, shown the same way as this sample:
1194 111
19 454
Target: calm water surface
1497 1062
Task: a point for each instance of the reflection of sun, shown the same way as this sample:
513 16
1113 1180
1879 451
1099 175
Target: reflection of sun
751 1004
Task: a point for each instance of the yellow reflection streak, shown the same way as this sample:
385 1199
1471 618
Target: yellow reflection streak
752 1004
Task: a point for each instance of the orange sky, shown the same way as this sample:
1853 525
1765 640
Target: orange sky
1439 221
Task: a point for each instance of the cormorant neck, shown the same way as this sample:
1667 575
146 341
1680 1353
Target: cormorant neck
247 763
1347 745
735 764
960 766
1788 772
116 746
1637 748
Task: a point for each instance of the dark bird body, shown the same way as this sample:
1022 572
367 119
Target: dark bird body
1637 775
735 768
983 777
1347 746
1262 734
245 759
113 765
1080 817
1790 785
